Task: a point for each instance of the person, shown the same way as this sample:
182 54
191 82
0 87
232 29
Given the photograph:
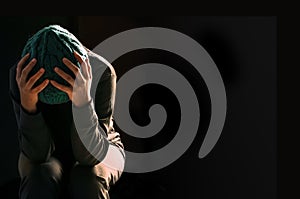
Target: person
51 83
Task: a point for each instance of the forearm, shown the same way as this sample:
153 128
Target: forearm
35 138
89 141
96 138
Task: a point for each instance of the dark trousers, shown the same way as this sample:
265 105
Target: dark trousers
49 180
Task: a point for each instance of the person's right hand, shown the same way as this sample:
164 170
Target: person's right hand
28 94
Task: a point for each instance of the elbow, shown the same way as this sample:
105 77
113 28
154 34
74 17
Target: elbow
37 158
84 157
90 156
36 154
86 160
115 158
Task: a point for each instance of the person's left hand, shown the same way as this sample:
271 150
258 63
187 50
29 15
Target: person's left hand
79 90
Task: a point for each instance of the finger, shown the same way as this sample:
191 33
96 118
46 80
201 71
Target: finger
20 64
71 66
89 68
64 75
40 87
78 57
61 87
84 67
26 70
34 78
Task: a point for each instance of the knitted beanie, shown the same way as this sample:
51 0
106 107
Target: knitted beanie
49 46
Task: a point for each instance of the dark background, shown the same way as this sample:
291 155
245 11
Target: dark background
243 164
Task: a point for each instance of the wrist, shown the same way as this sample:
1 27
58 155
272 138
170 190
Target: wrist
29 109
83 102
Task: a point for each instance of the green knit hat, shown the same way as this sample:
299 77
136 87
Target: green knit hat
49 45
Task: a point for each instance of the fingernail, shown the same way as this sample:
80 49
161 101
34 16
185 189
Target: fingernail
42 70
55 68
33 60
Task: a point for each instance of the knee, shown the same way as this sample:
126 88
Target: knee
44 173
39 180
84 183
40 172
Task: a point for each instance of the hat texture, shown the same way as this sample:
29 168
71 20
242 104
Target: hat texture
49 46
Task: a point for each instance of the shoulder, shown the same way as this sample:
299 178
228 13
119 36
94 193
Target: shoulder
100 65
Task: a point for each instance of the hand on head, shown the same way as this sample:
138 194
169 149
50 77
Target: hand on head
28 94
78 91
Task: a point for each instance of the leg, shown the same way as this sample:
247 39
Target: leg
91 182
39 180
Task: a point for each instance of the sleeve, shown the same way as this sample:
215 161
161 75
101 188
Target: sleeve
33 134
95 136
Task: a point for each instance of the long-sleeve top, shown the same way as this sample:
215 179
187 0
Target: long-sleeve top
52 132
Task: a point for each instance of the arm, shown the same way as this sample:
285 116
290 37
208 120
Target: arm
34 136
93 136
94 121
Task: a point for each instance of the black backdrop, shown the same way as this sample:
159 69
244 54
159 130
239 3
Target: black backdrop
243 163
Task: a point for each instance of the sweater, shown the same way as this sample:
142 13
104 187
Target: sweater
51 131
